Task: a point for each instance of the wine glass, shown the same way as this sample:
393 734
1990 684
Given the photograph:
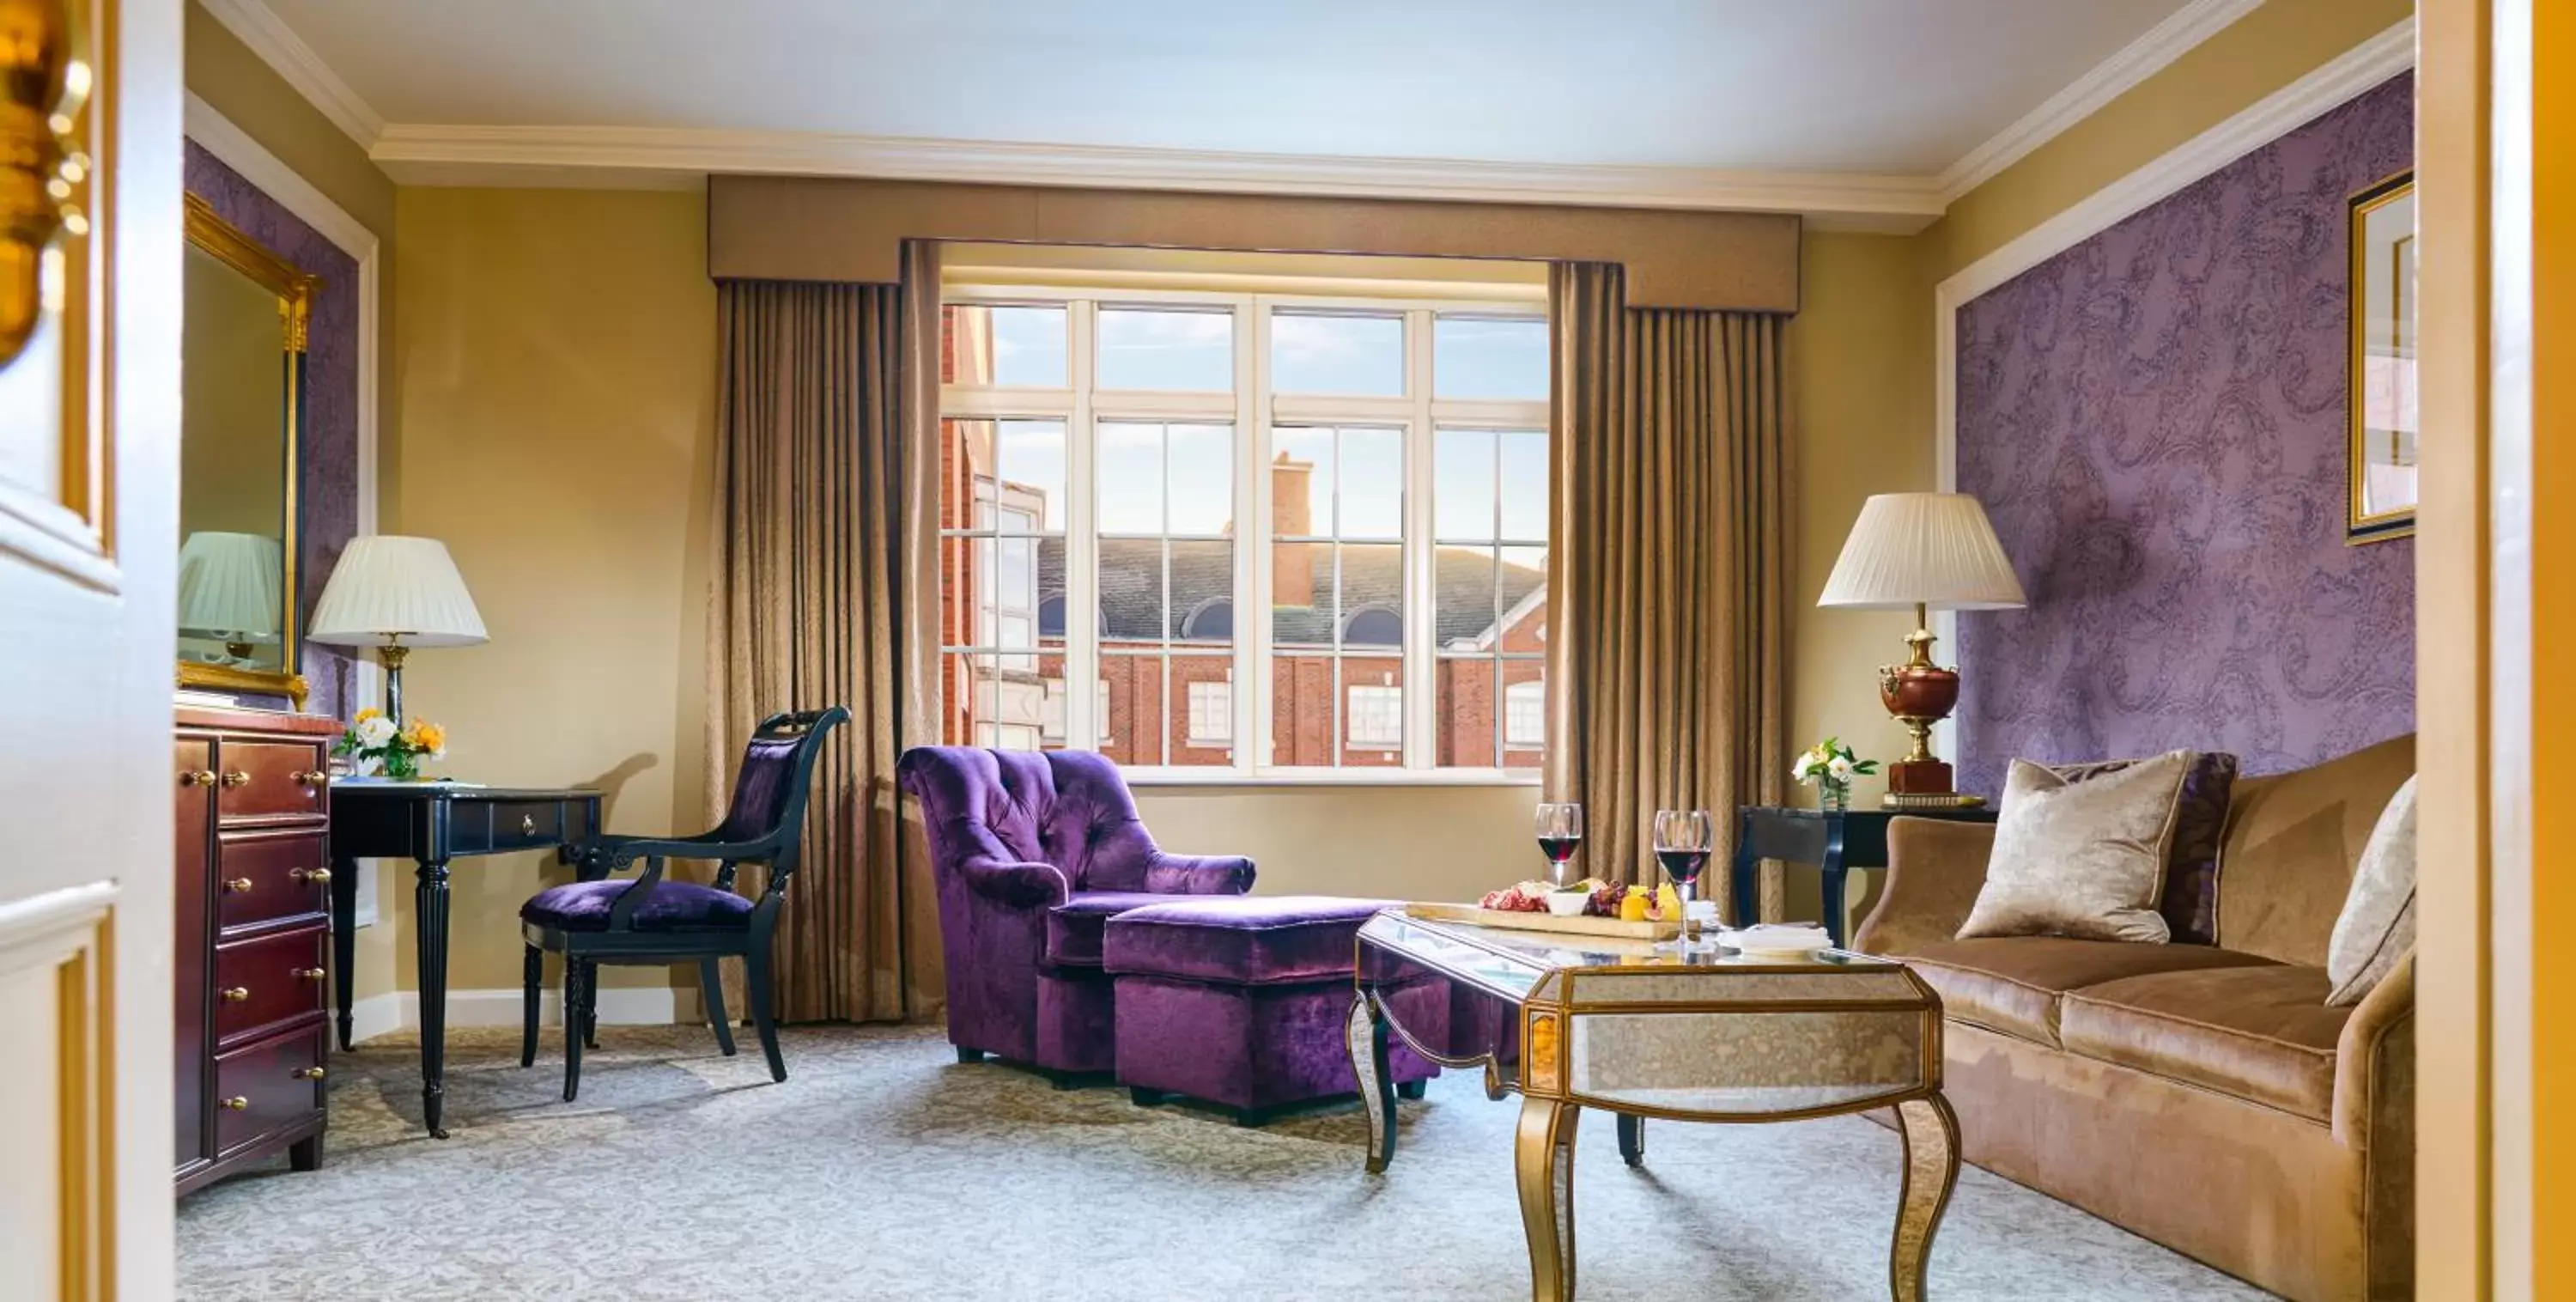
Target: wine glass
1683 840
1560 830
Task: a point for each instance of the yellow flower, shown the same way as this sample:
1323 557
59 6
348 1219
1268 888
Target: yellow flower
370 712
427 736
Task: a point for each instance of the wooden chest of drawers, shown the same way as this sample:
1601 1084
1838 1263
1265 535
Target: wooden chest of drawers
253 937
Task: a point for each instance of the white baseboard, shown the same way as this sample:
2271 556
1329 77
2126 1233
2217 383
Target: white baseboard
399 1010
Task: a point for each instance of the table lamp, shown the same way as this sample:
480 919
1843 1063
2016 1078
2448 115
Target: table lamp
231 587
1927 552
395 593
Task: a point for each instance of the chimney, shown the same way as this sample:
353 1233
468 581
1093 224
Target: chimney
1292 512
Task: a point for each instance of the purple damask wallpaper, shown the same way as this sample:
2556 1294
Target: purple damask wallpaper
327 455
2155 419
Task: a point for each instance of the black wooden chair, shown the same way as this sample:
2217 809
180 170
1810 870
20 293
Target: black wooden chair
652 922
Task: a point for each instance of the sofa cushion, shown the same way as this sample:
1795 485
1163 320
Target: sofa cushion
1240 939
2011 985
2263 1033
2378 920
2292 841
2082 858
1073 927
2189 901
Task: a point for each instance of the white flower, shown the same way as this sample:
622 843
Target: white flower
1806 770
375 732
1840 769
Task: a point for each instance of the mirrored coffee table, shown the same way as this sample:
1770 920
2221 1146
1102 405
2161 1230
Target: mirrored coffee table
1570 1022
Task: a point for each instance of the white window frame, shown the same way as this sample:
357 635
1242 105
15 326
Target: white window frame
1253 412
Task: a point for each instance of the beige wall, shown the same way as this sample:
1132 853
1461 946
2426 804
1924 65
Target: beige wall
1410 843
236 83
2278 43
557 387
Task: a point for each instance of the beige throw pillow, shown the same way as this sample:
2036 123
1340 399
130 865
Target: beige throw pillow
2083 859
2377 925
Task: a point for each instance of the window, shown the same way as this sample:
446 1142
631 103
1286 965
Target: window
1377 716
1105 450
1211 714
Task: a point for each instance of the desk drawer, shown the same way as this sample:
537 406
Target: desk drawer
262 879
267 1088
481 826
262 985
271 781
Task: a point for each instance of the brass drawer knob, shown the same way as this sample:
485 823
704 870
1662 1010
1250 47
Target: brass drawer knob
309 974
236 778
239 885
198 778
236 994
237 1104
313 778
527 825
309 874
308 1073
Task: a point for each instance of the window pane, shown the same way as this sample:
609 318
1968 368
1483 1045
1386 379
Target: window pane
1323 353
1462 498
1003 345
1167 350
1463 599
1524 713
1132 727
1522 598
1132 608
1524 485
1129 458
1201 479
1202 728
1302 721
1301 481
1302 583
1466 706
1488 357
1202 600
1372 595
1373 711
987 702
1371 496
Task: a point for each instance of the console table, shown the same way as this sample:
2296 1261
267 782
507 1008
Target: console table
1834 842
431 823
1641 1030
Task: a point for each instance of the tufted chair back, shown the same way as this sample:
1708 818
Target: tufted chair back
1066 808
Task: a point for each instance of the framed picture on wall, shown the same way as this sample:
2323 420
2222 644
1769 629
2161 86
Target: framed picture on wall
2383 361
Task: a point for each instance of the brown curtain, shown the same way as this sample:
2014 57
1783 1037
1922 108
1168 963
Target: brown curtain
826 409
1669 651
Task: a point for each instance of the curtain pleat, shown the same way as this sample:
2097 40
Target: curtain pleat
1669 575
818 485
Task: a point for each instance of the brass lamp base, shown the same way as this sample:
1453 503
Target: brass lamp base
1920 694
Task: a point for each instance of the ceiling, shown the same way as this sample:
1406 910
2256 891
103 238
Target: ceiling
1901 99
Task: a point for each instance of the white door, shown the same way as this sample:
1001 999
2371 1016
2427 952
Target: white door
89 430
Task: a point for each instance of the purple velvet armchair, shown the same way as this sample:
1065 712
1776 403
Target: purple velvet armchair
1033 853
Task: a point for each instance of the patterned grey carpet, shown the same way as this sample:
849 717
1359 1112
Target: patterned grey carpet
882 1170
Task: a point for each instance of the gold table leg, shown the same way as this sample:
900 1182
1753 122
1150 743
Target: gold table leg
1364 1034
1543 1160
1931 1169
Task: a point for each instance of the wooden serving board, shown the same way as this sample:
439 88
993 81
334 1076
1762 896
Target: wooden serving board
1578 925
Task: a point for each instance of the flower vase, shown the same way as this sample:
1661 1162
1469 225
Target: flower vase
1833 797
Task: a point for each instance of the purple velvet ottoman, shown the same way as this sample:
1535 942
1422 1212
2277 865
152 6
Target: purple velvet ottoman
1241 1001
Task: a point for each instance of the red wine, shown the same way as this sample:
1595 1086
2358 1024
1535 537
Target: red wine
1683 866
1558 849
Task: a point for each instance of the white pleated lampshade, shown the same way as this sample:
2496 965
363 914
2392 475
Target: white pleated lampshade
1930 549
231 584
391 587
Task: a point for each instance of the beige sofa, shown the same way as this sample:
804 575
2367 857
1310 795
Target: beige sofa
2203 1097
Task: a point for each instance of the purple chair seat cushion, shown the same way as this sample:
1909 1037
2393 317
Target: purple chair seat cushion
673 906
1239 940
1073 927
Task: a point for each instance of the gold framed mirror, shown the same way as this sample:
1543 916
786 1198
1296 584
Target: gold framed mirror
241 346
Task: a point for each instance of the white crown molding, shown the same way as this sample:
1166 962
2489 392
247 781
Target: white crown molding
428 155
280 48
2333 83
2108 80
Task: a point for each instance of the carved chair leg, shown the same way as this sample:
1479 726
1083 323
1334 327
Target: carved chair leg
711 986
576 994
756 976
532 977
590 1006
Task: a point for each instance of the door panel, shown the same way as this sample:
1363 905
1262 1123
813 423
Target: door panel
88 559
